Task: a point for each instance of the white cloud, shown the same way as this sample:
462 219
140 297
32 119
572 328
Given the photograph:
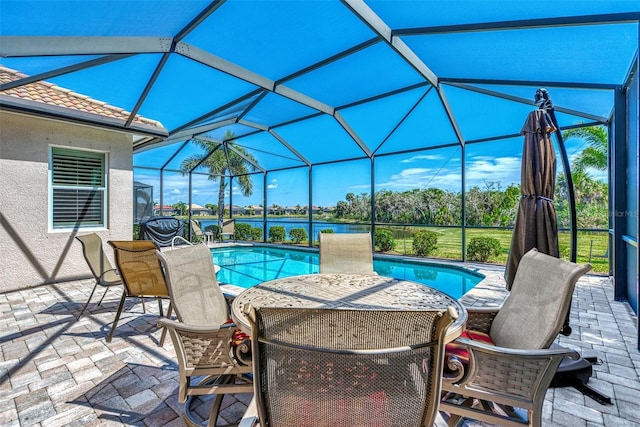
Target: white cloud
408 179
273 184
422 157
482 169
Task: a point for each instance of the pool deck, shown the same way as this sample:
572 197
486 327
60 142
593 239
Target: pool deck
59 371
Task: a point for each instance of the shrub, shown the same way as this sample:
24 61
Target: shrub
425 242
384 240
298 235
327 230
136 231
243 231
215 229
482 248
256 234
277 233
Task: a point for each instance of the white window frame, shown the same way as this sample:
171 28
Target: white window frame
101 188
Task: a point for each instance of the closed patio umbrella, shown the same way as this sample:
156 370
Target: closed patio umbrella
536 223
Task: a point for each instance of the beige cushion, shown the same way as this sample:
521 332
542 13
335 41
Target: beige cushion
534 312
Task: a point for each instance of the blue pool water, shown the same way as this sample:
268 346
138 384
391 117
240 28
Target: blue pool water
246 266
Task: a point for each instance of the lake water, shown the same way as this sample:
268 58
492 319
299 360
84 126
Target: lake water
247 266
290 223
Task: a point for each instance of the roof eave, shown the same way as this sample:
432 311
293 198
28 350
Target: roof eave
33 108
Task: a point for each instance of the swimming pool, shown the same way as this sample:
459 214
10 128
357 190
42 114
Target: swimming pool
246 266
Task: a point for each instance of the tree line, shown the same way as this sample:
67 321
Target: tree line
490 206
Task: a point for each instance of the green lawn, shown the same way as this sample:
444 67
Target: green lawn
592 246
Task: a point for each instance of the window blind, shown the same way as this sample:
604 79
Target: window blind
78 183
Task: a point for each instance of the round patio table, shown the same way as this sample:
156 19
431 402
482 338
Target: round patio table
349 291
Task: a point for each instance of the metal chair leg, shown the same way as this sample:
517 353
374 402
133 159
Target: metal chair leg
103 295
88 301
115 321
164 330
160 306
217 402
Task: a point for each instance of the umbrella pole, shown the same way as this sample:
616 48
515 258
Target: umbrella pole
543 101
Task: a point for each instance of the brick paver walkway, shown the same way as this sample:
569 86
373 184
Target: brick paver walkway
59 371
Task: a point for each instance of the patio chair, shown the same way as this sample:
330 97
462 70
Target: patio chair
141 274
346 253
100 266
506 362
228 229
202 236
205 341
334 367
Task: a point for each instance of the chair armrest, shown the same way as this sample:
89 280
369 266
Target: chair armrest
476 346
480 319
103 281
496 369
227 328
250 417
210 346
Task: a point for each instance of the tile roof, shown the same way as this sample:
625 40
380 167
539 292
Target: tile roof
50 94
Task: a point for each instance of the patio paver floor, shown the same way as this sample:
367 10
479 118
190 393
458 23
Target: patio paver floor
59 371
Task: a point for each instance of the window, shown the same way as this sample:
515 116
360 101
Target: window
78 189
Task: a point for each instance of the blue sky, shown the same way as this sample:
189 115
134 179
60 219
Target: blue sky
487 163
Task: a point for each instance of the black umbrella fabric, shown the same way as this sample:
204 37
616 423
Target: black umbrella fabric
536 223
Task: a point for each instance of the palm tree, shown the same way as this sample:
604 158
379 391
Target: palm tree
595 155
221 161
180 207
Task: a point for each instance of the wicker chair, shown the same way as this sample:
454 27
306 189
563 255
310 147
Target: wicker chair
100 266
516 369
333 367
141 274
346 253
206 344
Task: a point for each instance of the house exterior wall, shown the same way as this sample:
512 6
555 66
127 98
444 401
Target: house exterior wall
30 253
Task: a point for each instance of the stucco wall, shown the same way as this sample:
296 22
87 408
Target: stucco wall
30 254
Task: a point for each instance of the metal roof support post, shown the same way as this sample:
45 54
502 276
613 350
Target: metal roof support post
611 183
161 191
310 211
264 207
618 197
190 203
463 211
230 196
373 203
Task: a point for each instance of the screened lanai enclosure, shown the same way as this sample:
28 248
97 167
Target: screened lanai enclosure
389 116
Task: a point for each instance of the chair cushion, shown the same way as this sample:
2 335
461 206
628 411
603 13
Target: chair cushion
238 336
460 350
